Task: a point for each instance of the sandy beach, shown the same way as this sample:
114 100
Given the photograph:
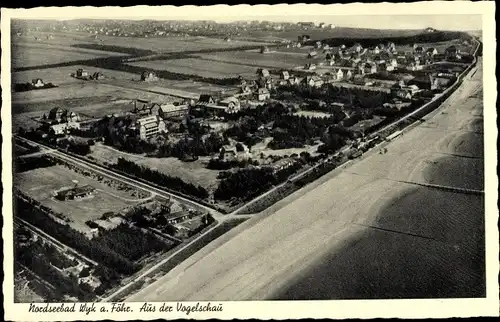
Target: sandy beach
362 233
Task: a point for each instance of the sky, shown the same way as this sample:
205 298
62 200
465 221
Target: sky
438 15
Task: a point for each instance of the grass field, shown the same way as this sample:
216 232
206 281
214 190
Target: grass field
192 172
40 184
27 55
160 44
192 66
256 59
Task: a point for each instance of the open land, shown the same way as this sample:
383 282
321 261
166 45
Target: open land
198 67
273 59
344 238
193 172
41 183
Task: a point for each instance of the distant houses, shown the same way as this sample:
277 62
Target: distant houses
149 76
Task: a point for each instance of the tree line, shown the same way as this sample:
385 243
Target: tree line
161 179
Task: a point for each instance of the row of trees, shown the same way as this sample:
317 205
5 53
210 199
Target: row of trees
29 210
160 178
245 184
130 242
32 163
42 260
217 164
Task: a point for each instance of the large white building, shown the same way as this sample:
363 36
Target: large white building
150 126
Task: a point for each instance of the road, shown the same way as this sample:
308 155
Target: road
340 241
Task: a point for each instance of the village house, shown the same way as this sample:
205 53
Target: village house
385 67
60 115
205 99
263 73
37 83
230 104
401 92
310 66
148 76
369 68
264 49
150 126
313 81
303 39
375 50
97 76
451 52
337 74
284 75
231 153
282 164
312 54
81 73
263 94
419 50
431 51
293 80
393 62
357 48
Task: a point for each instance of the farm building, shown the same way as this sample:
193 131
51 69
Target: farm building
37 83
264 49
82 73
148 76
150 126
76 192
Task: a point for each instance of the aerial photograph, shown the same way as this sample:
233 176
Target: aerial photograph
255 158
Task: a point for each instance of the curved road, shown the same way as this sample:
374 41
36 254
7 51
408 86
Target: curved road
338 241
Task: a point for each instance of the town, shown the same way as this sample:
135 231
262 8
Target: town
145 139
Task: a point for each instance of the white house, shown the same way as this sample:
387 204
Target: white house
263 94
150 126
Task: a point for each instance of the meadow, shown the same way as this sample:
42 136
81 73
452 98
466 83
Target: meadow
192 66
41 183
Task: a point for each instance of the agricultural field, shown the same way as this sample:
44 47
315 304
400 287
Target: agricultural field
180 88
40 184
271 60
192 66
166 44
29 56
